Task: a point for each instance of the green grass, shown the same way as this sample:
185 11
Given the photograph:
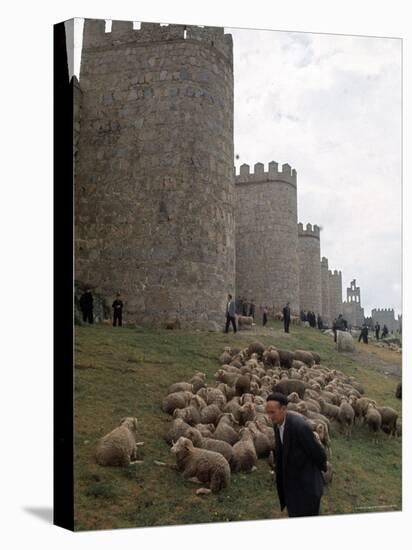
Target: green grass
126 372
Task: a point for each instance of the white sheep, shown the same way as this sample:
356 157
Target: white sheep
201 465
373 420
118 448
346 417
245 457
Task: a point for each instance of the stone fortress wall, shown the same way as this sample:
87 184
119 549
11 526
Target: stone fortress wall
386 317
267 269
310 279
154 171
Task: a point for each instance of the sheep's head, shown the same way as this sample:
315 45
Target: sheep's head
180 413
129 422
197 402
320 430
293 397
194 435
202 393
182 445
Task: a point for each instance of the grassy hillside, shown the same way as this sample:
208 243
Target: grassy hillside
126 372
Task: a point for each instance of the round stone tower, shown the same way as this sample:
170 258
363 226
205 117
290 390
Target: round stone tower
335 294
266 237
324 271
154 171
310 282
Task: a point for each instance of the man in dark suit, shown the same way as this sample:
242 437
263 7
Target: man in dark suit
286 317
230 313
299 460
86 305
117 310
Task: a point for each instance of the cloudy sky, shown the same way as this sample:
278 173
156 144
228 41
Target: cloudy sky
330 106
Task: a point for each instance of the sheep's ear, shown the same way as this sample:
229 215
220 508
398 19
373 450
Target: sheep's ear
122 420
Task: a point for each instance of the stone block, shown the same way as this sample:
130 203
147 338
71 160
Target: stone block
344 342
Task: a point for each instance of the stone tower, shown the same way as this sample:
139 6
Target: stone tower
352 309
335 294
267 267
154 176
324 270
310 284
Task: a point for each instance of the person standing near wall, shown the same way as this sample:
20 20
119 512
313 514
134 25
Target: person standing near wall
286 317
230 314
265 316
377 330
252 309
117 310
86 305
364 334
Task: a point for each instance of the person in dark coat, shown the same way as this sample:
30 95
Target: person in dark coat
313 319
338 324
230 313
299 460
265 316
364 334
86 305
385 331
377 330
286 317
320 322
252 309
117 310
245 308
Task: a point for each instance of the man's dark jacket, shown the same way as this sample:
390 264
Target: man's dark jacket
299 461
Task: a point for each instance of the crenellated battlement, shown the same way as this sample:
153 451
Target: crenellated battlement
286 175
123 33
335 273
383 310
310 231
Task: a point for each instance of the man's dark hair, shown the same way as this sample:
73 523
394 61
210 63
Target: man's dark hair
279 397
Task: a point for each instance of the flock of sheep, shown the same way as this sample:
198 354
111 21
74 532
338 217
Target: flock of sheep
221 429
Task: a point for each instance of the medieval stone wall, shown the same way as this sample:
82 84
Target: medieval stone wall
154 177
267 268
310 283
324 269
385 317
335 294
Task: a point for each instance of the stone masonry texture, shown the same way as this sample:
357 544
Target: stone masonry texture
385 317
324 268
310 282
267 269
335 294
154 184
352 309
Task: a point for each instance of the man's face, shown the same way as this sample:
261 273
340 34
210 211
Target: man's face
275 411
